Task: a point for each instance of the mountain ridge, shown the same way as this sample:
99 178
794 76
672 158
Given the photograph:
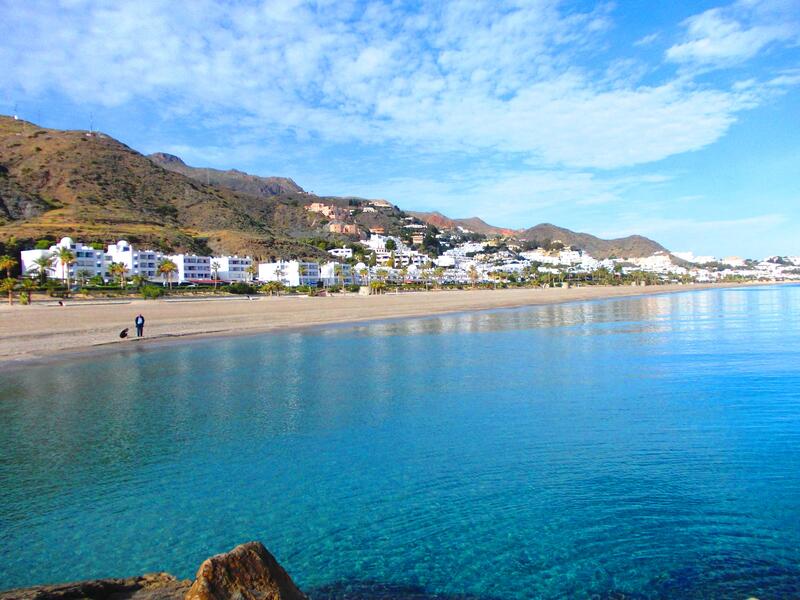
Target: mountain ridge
633 246
90 186
233 179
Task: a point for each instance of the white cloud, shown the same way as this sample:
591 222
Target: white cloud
647 39
733 34
659 226
513 198
471 75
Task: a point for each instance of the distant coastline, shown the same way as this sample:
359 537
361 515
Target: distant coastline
44 333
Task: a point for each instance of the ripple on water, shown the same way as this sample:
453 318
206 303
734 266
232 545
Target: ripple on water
639 448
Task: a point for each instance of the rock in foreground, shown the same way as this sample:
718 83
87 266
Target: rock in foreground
248 572
155 586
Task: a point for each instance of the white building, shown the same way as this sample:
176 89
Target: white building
342 252
541 256
139 262
88 261
329 276
191 267
92 262
445 261
233 268
377 242
290 273
734 261
690 257
659 262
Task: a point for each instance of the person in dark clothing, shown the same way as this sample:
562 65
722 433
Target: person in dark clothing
139 321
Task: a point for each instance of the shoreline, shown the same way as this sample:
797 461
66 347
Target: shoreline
47 333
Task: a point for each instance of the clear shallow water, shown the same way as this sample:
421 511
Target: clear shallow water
647 446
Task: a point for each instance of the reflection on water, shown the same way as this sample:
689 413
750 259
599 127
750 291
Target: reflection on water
643 447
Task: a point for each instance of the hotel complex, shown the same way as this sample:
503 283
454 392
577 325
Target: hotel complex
92 262
391 259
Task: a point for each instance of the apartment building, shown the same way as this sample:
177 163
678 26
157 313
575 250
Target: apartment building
291 273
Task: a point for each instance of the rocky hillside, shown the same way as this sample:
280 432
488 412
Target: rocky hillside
474 224
627 247
237 181
92 187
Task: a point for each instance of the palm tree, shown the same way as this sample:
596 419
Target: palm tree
302 271
6 264
438 272
338 271
272 288
43 264
119 269
82 276
473 275
138 281
364 274
215 267
425 274
67 258
28 285
166 268
252 270
7 285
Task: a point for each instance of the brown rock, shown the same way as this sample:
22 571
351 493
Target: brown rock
153 586
248 572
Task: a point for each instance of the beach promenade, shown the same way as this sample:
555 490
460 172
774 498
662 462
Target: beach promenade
48 330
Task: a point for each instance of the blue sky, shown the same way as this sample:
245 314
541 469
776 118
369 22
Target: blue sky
679 121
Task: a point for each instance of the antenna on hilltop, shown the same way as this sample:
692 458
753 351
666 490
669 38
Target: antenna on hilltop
91 122
16 118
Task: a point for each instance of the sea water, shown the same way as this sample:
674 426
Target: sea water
645 447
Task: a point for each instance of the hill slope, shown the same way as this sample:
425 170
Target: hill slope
474 224
92 187
237 181
628 247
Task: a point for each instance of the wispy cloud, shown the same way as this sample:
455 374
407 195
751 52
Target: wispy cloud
696 228
483 75
538 92
512 198
729 35
647 39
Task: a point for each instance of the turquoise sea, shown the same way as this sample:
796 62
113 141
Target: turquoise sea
637 448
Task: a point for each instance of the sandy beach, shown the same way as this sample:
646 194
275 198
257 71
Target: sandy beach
45 329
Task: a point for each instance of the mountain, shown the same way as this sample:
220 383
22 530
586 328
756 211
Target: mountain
90 186
628 247
238 181
474 224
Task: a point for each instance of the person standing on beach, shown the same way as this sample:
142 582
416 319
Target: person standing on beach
139 321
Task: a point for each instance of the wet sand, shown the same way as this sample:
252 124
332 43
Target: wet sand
28 333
